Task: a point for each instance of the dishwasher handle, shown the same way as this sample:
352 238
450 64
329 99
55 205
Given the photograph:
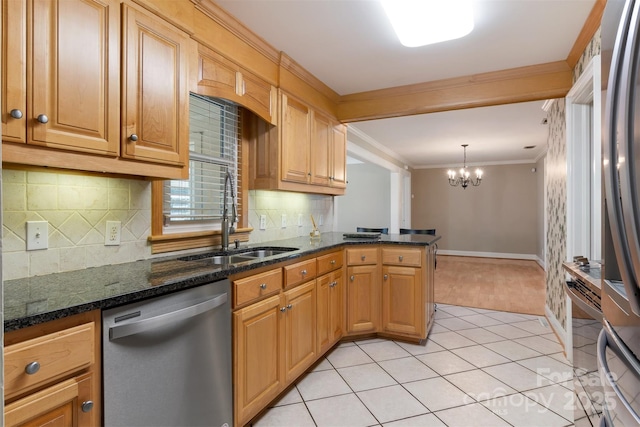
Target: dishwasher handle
140 326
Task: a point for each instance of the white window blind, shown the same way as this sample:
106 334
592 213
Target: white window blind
214 132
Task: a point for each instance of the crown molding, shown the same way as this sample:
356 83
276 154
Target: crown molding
237 28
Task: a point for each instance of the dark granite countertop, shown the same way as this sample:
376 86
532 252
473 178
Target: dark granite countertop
39 299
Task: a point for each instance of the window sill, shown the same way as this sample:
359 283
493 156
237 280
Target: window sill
200 239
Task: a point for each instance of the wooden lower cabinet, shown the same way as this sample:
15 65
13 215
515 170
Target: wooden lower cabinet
300 329
388 291
52 373
363 298
275 342
258 360
402 301
330 307
65 404
430 309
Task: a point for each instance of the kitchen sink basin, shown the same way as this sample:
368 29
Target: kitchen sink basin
246 255
263 253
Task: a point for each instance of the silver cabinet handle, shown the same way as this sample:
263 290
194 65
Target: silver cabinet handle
363 257
400 258
133 137
352 278
333 284
283 309
386 276
87 406
332 262
289 306
32 368
160 320
42 118
303 272
263 286
16 114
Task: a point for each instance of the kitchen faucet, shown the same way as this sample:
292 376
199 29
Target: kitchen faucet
226 227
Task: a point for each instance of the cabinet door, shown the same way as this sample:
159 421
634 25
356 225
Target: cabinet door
14 70
430 289
295 140
321 140
258 369
363 298
216 75
300 329
155 89
329 305
402 300
68 403
73 75
336 306
339 157
256 95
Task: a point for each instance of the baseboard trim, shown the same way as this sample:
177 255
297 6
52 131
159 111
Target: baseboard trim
556 326
490 255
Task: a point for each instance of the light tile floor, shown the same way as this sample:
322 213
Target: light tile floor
478 368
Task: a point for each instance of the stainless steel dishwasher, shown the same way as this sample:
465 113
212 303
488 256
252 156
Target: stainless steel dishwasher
167 360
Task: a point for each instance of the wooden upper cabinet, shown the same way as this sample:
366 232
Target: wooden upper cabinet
321 141
62 79
14 71
339 157
258 95
295 140
222 78
216 74
155 115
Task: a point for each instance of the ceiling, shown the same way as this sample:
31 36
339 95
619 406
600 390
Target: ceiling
351 47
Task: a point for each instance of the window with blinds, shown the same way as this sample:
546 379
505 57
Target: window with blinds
214 133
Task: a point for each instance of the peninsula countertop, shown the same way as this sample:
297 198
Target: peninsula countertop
33 300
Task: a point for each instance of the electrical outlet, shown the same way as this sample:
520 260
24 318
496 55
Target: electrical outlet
37 235
263 222
320 219
112 233
283 220
299 220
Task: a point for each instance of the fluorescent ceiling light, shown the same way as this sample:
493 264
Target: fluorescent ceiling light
422 22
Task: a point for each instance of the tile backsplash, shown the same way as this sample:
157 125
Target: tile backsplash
77 206
273 204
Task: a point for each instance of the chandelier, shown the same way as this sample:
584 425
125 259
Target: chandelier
464 179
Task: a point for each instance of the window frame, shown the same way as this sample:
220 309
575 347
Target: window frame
169 242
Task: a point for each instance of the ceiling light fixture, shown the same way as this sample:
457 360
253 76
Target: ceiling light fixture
423 22
464 179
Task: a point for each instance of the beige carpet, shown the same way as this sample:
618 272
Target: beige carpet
497 284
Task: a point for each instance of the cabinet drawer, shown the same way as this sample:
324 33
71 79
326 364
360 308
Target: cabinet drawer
402 256
361 256
329 262
257 286
61 403
299 272
48 357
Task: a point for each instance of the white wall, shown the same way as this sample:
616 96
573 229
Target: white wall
367 200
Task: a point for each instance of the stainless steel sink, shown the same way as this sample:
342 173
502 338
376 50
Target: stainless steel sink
263 253
247 255
228 259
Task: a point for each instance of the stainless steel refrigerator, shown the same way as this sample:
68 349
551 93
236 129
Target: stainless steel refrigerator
619 341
